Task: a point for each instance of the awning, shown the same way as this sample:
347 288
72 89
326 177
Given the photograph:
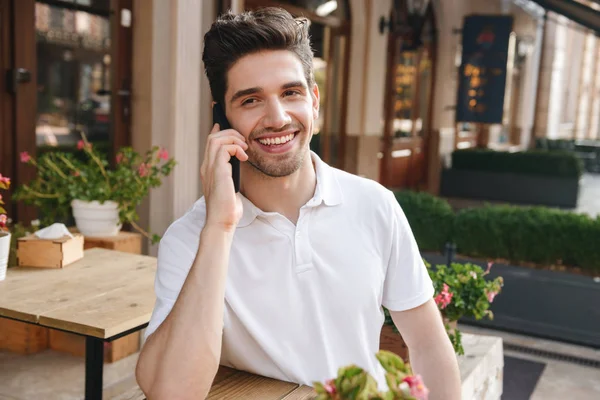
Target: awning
575 11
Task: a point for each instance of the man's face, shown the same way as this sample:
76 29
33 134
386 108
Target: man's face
269 102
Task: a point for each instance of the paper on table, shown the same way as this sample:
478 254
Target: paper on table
54 231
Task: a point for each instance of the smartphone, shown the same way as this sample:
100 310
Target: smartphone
220 118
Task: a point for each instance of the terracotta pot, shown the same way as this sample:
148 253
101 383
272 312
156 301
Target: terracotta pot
392 341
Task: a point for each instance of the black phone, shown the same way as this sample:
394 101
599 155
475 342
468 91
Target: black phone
220 118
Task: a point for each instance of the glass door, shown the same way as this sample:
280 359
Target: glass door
74 85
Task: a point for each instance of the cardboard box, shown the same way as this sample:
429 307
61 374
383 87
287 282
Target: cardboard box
23 338
43 253
70 343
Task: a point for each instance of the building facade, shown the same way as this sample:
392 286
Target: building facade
129 72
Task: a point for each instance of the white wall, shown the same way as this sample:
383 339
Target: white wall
368 60
169 100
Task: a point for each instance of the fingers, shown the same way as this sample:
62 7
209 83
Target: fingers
219 142
221 146
221 169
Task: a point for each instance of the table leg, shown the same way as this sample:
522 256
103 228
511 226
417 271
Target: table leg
94 365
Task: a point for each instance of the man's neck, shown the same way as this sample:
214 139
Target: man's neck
284 195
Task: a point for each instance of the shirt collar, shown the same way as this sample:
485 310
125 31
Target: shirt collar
327 191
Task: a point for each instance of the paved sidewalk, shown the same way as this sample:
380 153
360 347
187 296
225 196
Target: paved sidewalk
559 380
588 201
589 195
50 375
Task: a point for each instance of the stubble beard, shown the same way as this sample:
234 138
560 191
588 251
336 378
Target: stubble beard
280 165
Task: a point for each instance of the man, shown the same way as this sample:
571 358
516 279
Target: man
287 278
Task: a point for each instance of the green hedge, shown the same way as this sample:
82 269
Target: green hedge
534 234
536 162
540 235
430 218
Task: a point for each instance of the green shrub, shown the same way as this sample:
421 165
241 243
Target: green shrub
529 234
537 162
430 218
540 235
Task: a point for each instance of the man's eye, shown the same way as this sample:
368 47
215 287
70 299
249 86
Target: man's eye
291 93
248 101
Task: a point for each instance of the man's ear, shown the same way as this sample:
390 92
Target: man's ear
315 99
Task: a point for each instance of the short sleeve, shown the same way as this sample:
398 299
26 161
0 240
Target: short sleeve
176 253
407 282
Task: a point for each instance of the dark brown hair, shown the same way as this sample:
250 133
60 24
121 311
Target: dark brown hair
233 36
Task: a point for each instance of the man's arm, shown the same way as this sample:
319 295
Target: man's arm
431 353
180 359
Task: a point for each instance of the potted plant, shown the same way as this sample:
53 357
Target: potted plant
354 383
4 233
461 290
102 199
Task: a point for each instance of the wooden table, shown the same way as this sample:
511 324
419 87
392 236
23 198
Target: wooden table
104 296
233 384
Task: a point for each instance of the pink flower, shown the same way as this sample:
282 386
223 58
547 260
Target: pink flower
163 154
3 219
417 387
143 170
81 145
330 387
119 158
491 295
489 267
76 173
4 179
25 157
0 197
444 298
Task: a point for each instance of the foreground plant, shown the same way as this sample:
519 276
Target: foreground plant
5 185
354 383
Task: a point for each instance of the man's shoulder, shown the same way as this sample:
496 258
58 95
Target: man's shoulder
361 189
185 231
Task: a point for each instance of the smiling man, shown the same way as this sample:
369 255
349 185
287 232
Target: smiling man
287 278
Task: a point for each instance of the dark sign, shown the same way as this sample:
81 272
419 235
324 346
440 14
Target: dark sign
482 79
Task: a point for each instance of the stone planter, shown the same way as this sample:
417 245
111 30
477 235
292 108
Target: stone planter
95 219
553 305
4 251
510 188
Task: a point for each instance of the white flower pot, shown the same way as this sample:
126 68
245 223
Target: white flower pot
94 219
4 250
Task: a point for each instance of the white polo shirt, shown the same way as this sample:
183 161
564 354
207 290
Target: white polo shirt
303 300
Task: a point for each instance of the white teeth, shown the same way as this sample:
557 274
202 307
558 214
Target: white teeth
279 140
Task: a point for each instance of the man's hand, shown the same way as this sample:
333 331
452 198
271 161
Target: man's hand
431 353
223 207
180 359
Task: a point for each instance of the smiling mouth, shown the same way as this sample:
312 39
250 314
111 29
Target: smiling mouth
277 141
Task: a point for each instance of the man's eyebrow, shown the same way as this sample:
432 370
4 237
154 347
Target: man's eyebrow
254 90
245 92
294 85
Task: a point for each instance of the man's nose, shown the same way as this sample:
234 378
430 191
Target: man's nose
276 116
